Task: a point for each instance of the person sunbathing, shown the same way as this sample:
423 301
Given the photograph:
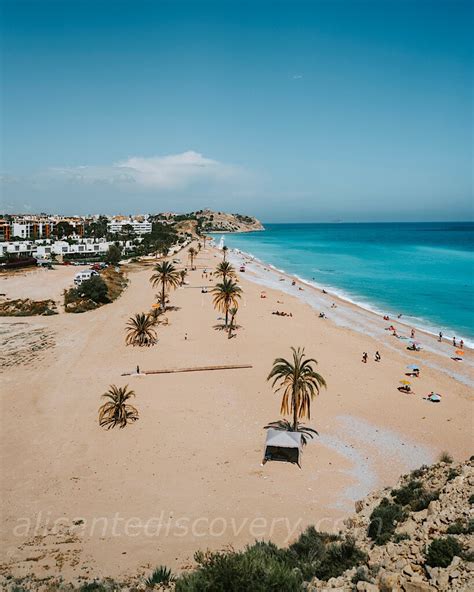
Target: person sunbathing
405 388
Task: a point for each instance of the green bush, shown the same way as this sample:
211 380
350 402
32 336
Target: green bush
259 568
445 457
95 288
161 575
405 495
414 495
441 552
400 536
456 528
383 521
264 566
338 558
452 474
424 500
93 587
459 528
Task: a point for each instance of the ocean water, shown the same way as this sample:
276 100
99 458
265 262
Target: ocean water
424 271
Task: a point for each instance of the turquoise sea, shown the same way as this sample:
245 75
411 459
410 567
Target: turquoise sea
423 270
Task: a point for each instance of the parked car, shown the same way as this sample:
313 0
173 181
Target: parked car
82 276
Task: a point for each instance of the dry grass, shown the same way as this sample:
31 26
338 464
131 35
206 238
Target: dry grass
24 307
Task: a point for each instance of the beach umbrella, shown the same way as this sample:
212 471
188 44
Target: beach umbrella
459 352
155 305
405 382
413 367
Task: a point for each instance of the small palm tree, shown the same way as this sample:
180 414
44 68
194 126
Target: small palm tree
232 312
300 384
226 296
224 252
140 330
192 253
225 270
167 276
116 411
182 274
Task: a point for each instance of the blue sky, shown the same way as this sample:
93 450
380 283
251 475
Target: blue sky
292 111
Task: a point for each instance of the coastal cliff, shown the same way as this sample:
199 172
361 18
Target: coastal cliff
207 220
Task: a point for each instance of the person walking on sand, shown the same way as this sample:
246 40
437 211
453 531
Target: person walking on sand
377 356
461 344
440 337
454 341
364 357
138 369
413 333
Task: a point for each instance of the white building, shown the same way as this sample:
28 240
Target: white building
139 227
24 248
82 276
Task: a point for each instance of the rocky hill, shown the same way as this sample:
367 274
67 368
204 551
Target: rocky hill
418 537
222 222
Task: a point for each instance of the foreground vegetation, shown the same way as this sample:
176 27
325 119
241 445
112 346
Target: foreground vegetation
95 292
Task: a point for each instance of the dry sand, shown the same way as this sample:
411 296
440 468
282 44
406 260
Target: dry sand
188 474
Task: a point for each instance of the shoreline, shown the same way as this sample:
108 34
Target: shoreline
428 326
259 274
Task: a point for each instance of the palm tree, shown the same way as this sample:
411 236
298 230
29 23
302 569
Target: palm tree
224 252
300 384
140 330
116 411
166 275
192 253
225 270
226 296
232 312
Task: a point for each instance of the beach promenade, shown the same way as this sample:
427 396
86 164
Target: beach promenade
83 501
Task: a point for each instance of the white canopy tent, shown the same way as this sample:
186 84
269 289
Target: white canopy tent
283 446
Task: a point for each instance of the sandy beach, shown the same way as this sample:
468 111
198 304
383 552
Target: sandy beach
81 501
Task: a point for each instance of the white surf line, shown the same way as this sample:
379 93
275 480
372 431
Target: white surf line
348 315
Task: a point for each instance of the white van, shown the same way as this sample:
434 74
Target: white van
82 276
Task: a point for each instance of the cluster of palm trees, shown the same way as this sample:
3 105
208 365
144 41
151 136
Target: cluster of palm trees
296 378
141 328
227 293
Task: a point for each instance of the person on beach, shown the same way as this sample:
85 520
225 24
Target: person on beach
413 333
461 344
378 357
364 357
454 341
440 336
138 369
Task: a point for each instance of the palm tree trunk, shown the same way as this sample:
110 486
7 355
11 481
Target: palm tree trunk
226 316
163 303
295 414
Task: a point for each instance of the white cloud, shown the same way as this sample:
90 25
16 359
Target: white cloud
174 171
